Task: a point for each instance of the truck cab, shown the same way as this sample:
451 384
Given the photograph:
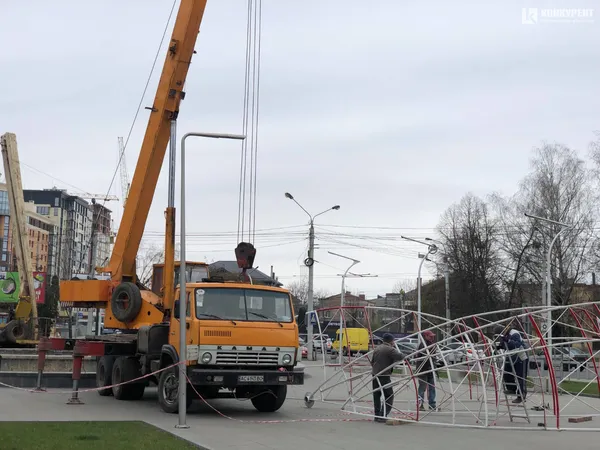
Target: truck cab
241 339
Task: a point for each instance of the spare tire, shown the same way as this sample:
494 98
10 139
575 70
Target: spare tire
126 302
14 331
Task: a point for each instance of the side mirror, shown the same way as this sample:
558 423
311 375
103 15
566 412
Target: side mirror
176 309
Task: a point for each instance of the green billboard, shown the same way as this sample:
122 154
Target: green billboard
9 287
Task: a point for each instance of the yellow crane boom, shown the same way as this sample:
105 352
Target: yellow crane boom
16 329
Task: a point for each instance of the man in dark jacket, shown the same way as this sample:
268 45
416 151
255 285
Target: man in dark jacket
384 356
516 363
425 370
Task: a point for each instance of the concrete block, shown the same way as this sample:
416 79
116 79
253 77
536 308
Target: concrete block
580 419
50 380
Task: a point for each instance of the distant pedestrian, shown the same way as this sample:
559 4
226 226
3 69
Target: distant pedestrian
425 373
384 356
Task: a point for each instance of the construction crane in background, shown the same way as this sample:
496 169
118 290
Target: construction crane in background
22 326
125 183
87 195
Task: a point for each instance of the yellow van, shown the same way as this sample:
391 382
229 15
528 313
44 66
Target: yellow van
358 337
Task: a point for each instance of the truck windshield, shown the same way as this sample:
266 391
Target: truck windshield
242 304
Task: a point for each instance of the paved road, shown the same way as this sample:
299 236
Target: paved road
213 431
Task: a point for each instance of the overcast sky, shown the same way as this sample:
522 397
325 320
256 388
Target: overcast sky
391 109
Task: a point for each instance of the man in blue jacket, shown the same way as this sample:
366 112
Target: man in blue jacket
515 365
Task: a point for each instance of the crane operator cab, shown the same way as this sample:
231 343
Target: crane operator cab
196 272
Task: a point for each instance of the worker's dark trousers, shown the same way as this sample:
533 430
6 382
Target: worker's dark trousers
388 393
521 376
518 376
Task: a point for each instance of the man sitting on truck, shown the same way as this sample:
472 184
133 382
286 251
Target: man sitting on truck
384 356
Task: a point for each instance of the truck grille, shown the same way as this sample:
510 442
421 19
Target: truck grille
250 358
217 333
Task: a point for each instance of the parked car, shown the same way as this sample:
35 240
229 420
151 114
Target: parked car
569 358
407 347
322 341
457 352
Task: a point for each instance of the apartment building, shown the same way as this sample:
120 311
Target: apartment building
82 231
73 217
38 228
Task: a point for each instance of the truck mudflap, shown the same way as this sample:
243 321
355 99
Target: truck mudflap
232 378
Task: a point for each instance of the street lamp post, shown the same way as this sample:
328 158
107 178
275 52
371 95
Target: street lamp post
446 278
340 336
309 262
431 250
183 279
564 226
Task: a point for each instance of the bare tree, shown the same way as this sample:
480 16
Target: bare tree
405 285
470 237
299 291
559 188
517 267
147 256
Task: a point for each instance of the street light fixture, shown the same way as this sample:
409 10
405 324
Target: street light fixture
182 278
431 250
446 277
309 262
340 339
564 226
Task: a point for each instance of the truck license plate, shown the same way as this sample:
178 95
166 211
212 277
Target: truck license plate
251 378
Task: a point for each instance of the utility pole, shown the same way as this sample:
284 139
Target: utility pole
446 282
564 226
431 250
309 262
341 330
447 292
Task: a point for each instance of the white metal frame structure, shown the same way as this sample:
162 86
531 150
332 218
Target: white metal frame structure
563 384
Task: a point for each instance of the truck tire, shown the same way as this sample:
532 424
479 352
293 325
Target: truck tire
14 331
168 391
127 368
271 399
104 369
126 302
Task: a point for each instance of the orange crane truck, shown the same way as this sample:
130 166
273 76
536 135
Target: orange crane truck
241 338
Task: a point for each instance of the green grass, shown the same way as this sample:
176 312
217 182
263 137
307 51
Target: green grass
575 387
88 436
572 387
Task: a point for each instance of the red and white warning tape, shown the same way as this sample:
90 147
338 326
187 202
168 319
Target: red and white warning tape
318 419
339 419
89 389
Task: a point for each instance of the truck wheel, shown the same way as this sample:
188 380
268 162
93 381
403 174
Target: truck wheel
271 399
14 331
104 369
126 369
126 302
168 391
